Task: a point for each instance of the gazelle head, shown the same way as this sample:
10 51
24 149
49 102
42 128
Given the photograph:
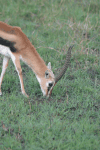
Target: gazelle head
49 80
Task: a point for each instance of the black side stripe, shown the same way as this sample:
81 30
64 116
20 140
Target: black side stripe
8 44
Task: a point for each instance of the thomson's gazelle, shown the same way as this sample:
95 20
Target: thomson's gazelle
14 44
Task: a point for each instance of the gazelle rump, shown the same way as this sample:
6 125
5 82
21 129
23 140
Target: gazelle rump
14 44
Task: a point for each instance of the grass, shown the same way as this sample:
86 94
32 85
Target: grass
70 119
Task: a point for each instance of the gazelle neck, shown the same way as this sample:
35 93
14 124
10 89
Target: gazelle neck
34 61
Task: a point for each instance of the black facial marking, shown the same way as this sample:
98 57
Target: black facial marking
50 84
8 44
49 87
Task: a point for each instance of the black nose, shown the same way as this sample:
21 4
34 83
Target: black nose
50 84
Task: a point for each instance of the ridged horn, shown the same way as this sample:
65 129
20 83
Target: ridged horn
67 62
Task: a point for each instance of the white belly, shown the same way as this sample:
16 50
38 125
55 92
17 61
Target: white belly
5 51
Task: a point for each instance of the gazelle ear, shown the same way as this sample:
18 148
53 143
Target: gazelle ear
49 65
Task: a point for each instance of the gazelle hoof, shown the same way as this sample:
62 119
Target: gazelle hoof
25 95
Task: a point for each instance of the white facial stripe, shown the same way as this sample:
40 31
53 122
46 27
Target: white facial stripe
44 93
39 80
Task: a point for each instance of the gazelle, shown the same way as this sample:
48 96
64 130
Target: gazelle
14 44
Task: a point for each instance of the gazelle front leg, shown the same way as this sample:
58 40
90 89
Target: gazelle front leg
16 62
4 67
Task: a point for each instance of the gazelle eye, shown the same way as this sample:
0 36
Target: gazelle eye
47 74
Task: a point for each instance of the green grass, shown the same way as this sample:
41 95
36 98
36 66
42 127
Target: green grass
70 119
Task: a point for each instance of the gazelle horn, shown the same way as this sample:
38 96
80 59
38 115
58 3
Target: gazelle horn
67 62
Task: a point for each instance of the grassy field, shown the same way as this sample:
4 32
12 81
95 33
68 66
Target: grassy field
70 119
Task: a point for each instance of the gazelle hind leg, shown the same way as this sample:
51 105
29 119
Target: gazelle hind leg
4 67
16 62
